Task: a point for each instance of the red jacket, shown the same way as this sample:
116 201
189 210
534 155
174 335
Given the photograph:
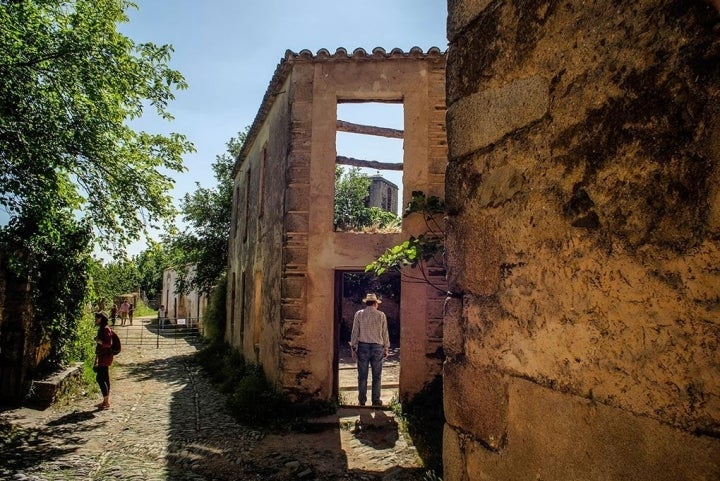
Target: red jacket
103 350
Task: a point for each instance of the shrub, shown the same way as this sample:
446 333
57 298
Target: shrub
424 419
251 398
214 315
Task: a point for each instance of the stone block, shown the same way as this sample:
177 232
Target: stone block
499 186
293 287
486 117
453 331
473 259
297 197
461 13
46 391
475 400
296 222
453 459
567 438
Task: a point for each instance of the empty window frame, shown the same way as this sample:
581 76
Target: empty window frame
369 166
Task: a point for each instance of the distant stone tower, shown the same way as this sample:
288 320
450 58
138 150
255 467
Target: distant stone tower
383 194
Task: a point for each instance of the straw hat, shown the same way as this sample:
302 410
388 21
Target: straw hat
372 297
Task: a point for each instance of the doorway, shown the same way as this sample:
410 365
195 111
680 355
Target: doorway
351 286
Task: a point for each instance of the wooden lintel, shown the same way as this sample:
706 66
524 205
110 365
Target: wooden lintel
343 126
370 164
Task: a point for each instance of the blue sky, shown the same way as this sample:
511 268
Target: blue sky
228 50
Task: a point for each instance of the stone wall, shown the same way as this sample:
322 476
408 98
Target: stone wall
584 240
284 252
22 346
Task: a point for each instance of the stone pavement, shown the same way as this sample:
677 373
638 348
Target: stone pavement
168 423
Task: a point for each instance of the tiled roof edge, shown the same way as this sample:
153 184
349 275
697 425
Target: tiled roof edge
285 66
361 53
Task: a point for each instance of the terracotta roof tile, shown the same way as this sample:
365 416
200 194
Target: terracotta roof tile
284 68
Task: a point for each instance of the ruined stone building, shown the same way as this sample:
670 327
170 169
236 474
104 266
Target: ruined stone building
583 245
383 194
186 306
286 261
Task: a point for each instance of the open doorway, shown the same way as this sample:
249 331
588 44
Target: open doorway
350 288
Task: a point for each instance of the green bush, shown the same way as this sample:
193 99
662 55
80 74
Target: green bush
214 315
424 419
251 397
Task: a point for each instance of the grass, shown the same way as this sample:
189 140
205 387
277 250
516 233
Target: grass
422 419
142 310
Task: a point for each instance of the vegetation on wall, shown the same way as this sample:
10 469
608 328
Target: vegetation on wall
423 251
215 315
52 253
250 396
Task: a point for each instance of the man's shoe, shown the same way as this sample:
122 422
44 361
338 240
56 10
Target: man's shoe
379 403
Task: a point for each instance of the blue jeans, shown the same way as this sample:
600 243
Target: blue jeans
369 356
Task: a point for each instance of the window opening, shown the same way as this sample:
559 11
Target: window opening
247 206
369 167
261 190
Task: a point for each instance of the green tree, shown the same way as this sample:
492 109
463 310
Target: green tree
72 169
112 279
351 210
71 82
207 212
150 265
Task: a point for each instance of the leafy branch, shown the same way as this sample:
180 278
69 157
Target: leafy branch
420 252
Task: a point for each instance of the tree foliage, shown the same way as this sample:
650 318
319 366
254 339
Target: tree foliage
351 210
73 171
207 213
54 257
71 83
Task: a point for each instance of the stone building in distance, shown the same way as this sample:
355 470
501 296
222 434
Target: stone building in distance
286 262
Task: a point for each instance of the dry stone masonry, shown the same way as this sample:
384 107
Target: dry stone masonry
584 240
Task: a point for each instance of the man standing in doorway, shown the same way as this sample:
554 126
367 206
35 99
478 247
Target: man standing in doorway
370 344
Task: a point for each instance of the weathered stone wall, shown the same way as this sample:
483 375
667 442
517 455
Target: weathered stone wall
265 188
189 306
584 240
283 259
22 347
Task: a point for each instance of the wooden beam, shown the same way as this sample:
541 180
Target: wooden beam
370 164
343 126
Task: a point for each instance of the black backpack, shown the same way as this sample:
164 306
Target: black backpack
116 345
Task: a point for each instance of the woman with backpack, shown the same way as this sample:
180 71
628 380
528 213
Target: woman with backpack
103 358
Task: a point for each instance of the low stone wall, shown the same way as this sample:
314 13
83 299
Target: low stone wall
45 392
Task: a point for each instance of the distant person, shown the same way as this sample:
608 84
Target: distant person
131 312
370 344
161 315
103 358
124 309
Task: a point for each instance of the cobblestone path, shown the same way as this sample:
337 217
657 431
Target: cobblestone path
168 423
